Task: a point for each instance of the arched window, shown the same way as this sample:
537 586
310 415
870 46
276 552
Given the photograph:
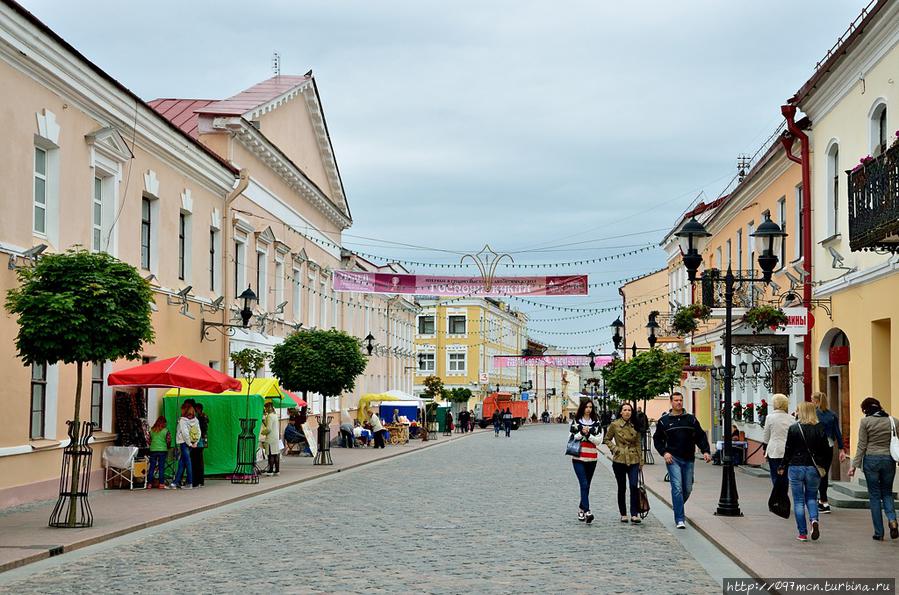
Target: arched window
879 128
833 189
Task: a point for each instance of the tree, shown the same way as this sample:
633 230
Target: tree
649 374
458 395
248 361
320 361
79 307
433 387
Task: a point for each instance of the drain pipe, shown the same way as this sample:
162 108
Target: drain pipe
240 184
795 133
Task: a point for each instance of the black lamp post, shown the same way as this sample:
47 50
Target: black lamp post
369 343
652 325
248 297
616 337
692 235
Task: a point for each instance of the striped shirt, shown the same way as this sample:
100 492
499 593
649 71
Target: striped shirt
590 442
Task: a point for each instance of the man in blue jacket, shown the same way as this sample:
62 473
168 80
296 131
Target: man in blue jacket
677 435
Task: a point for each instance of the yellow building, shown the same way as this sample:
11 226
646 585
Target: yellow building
852 104
456 340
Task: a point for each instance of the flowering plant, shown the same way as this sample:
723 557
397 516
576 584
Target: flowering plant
686 317
748 411
737 412
760 318
762 409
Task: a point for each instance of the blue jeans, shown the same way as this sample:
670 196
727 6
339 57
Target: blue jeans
157 461
880 470
496 428
584 472
804 482
184 462
680 472
508 425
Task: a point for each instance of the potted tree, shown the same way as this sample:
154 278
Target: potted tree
760 318
248 361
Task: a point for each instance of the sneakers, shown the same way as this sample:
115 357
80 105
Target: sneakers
802 537
172 486
581 515
636 520
815 532
681 525
588 517
187 488
823 507
624 519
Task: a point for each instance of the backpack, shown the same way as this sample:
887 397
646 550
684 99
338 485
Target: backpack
194 433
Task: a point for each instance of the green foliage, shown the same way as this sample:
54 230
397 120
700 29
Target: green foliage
80 306
433 387
686 318
249 360
458 395
648 375
760 318
320 361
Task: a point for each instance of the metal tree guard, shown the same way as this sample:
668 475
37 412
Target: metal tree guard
72 510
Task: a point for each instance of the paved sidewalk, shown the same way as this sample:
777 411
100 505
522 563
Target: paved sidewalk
25 536
765 545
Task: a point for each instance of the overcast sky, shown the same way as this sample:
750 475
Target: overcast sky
524 124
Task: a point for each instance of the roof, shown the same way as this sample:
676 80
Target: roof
257 95
19 9
181 112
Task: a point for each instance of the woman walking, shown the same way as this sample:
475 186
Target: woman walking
627 458
806 446
873 455
777 424
271 435
186 437
496 422
834 437
507 422
585 428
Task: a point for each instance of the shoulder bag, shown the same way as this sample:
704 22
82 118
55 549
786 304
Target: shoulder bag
821 470
894 441
642 498
573 448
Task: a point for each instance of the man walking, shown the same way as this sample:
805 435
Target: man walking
677 435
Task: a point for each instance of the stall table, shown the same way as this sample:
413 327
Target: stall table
399 433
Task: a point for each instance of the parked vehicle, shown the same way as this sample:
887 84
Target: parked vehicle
483 412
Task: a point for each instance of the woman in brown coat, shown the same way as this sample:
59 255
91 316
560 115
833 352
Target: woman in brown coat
627 458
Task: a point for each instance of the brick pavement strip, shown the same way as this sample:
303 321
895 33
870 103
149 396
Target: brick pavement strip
479 515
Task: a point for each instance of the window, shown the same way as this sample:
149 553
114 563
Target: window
729 254
782 216
213 240
297 294
750 243
426 325
427 362
240 257
882 131
261 281
878 129
800 224
214 364
719 259
97 394
182 240
38 400
40 190
739 249
97 235
456 362
456 325
833 190
279 282
145 231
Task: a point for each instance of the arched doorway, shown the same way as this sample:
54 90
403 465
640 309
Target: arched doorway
833 380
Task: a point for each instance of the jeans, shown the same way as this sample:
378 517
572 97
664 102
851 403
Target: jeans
825 462
773 466
496 428
347 439
184 462
880 470
804 483
628 473
157 461
508 425
584 471
680 472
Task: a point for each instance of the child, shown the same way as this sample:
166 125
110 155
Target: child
160 441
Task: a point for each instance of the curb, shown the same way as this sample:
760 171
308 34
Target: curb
59 550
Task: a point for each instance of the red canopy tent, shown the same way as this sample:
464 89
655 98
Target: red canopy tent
175 372
297 399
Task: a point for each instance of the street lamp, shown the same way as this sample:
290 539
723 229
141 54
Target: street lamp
652 325
592 356
246 313
369 343
616 337
692 235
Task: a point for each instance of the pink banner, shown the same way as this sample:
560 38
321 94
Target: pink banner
573 361
561 285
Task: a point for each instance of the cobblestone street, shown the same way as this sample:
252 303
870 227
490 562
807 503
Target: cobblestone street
479 515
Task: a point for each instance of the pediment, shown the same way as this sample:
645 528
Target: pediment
109 141
266 235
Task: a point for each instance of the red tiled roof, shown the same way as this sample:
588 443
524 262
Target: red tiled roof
181 112
256 95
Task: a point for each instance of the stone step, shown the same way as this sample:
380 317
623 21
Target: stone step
852 489
840 500
753 471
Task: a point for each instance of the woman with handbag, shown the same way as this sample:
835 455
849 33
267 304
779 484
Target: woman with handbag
874 454
806 445
582 448
834 436
623 441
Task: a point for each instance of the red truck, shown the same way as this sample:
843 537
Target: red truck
502 401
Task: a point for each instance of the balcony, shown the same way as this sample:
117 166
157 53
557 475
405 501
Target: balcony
874 203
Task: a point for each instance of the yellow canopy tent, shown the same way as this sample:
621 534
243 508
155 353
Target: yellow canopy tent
365 402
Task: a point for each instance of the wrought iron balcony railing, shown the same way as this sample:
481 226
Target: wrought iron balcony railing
874 203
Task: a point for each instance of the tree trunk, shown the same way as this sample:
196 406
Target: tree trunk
73 509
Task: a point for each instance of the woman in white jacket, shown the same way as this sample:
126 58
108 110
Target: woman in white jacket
271 434
585 428
775 439
186 437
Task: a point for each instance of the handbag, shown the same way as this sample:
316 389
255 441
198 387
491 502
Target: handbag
573 448
642 498
779 501
821 470
894 442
